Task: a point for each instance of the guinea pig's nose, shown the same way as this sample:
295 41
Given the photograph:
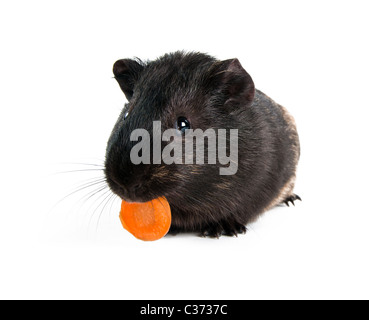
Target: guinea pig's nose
136 186
134 190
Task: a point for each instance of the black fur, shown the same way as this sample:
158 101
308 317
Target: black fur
211 94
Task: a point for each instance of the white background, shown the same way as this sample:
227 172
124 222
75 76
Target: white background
59 103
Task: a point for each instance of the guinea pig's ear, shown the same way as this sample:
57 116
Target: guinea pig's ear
127 72
235 82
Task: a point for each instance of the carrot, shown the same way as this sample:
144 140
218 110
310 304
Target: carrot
147 221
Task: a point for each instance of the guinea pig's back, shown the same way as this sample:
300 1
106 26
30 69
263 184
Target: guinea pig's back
276 153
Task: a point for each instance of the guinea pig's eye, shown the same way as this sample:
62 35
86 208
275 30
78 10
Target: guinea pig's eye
183 124
126 115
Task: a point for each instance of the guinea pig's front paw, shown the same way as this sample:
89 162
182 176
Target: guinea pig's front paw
174 230
225 228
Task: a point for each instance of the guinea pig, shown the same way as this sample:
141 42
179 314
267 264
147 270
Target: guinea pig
194 90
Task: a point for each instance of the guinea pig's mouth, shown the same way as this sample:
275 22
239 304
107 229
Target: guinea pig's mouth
135 199
135 194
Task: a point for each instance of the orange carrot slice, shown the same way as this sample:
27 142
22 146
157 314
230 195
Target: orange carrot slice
147 221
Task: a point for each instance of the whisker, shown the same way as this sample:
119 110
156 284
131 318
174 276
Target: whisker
105 194
102 210
82 201
78 170
81 164
91 194
94 179
111 206
80 188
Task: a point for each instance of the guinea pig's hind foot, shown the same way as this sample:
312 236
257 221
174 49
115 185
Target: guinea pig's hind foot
225 228
291 199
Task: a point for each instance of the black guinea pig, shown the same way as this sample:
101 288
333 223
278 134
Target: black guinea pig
194 90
